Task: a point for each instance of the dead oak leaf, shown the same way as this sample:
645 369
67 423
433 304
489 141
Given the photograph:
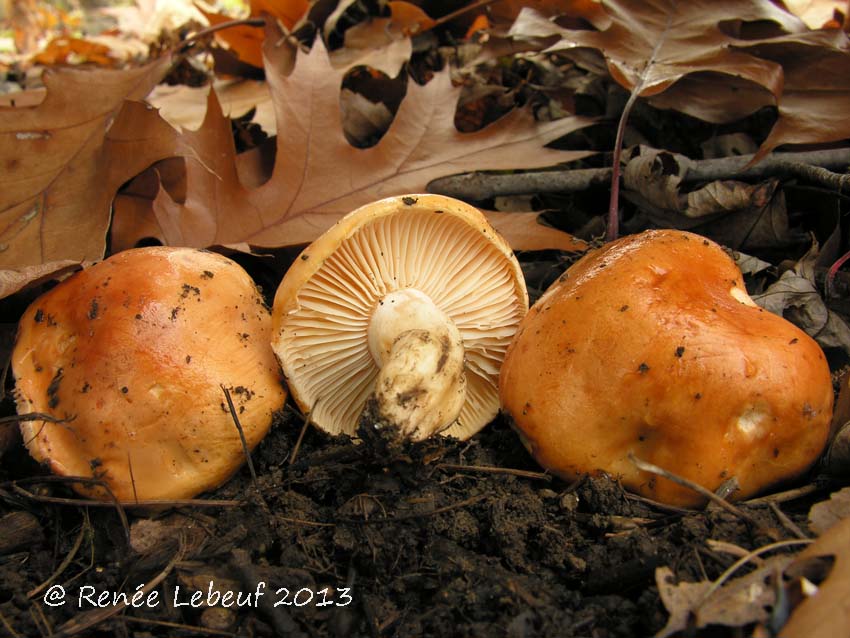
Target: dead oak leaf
318 176
826 614
738 602
15 279
813 104
647 46
64 159
701 58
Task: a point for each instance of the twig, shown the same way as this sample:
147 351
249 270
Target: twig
174 625
790 525
6 364
5 623
491 469
480 4
308 419
659 505
434 512
784 497
816 174
743 561
248 574
132 477
65 561
480 186
245 449
87 502
699 489
114 502
35 416
86 620
305 522
194 37
40 620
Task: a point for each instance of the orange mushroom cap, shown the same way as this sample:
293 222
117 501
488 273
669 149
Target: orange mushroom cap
650 346
133 353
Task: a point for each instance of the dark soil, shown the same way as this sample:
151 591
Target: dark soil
410 545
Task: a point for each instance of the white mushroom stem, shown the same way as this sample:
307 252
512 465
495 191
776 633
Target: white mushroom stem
421 386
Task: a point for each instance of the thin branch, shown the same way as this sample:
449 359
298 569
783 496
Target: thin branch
132 477
215 28
85 480
303 521
245 449
672 509
817 175
481 186
491 469
308 419
35 416
717 584
85 526
790 525
87 620
9 628
86 502
479 4
699 489
415 515
788 495
205 631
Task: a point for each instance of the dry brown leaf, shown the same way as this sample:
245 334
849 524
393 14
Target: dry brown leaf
185 106
318 176
827 513
15 279
683 55
525 232
380 43
813 105
650 45
795 296
504 12
739 602
827 613
714 98
657 176
63 162
375 43
736 214
838 453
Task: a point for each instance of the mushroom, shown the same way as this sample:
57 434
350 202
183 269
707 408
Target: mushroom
651 348
131 355
407 304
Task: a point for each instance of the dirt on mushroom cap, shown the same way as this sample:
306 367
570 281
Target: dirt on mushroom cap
645 348
132 354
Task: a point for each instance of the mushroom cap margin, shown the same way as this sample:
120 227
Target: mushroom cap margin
314 256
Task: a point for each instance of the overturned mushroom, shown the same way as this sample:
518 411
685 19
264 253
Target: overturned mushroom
132 353
651 348
407 304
